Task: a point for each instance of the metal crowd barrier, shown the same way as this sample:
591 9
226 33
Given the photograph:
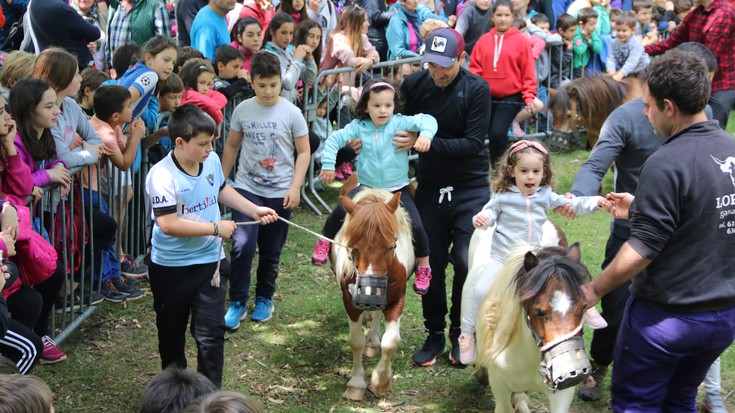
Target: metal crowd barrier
133 232
66 319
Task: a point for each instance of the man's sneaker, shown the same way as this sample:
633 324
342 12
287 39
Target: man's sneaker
591 389
347 170
423 279
433 347
235 313
51 354
111 293
131 293
466 348
132 269
263 310
91 297
130 281
72 304
321 252
454 353
713 403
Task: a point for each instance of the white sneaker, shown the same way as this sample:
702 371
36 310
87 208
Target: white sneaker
467 348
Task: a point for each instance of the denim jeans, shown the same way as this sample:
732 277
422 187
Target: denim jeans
109 262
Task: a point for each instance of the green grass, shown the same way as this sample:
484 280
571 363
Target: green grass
300 360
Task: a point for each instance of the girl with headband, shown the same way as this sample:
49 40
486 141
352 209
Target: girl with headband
523 191
379 165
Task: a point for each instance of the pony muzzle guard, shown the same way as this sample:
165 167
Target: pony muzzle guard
564 363
369 293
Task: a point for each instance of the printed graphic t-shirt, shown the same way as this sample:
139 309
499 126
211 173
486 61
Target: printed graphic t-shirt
266 164
194 198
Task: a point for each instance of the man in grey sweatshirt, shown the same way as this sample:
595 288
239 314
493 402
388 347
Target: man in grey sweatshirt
627 138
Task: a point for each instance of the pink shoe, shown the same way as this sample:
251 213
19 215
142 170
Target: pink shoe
338 174
467 351
593 319
51 354
518 132
347 170
321 252
423 278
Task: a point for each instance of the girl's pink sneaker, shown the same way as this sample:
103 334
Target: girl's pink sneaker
593 319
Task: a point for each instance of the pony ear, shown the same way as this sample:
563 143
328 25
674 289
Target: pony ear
347 204
573 93
574 252
394 202
529 261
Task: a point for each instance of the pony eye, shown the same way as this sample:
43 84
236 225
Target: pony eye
539 313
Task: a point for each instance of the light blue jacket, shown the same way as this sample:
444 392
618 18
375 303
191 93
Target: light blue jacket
379 165
519 218
397 34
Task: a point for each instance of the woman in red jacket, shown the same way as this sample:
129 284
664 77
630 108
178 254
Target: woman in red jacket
503 58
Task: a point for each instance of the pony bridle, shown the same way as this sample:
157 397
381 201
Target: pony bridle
371 291
564 361
576 130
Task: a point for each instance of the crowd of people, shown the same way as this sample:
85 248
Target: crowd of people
210 95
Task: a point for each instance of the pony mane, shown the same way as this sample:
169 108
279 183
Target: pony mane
552 263
373 222
491 327
598 97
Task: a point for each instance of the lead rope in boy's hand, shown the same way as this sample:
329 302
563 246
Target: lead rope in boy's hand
215 277
316 234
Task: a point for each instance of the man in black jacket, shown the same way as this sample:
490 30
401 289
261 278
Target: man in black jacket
681 313
452 177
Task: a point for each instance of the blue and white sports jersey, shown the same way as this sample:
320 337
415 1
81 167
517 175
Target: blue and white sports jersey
145 80
193 198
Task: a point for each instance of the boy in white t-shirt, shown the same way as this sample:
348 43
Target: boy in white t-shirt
185 188
273 139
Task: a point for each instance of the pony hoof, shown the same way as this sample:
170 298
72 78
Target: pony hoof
481 376
379 390
354 393
371 351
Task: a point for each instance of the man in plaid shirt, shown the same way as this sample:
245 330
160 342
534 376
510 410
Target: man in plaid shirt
711 23
128 15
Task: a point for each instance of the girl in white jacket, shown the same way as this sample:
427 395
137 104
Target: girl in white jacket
522 189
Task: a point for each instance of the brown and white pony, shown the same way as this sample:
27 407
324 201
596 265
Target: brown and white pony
587 102
529 329
377 237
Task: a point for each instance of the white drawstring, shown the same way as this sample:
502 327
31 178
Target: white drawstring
446 191
496 52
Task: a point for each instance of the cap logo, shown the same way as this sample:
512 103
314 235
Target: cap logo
439 44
